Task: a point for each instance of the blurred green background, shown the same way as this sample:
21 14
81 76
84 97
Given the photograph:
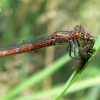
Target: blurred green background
20 75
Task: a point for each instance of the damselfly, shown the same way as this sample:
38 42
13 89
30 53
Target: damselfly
72 38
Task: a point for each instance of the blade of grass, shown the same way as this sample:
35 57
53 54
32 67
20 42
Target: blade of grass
77 86
75 74
67 85
72 78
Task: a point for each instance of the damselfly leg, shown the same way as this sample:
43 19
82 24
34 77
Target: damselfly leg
72 48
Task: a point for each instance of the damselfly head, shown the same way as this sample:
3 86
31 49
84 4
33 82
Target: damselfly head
81 34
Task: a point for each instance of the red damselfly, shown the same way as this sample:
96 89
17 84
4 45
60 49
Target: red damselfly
72 38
